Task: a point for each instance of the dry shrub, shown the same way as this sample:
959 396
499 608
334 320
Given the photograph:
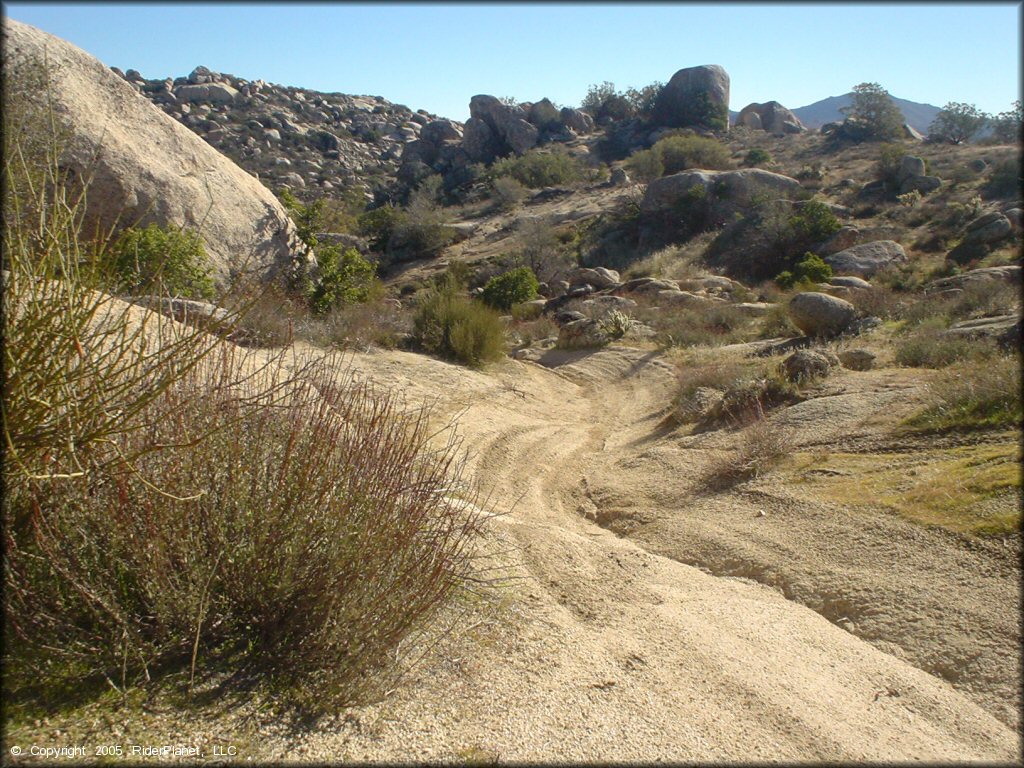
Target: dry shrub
172 505
276 524
383 323
971 396
762 446
927 346
714 325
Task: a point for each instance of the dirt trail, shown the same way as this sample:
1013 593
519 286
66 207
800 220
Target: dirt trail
614 648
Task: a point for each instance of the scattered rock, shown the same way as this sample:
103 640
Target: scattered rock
1010 275
771 117
599 277
818 314
806 364
867 258
857 359
849 281
1004 329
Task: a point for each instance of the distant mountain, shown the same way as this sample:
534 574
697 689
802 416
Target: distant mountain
815 115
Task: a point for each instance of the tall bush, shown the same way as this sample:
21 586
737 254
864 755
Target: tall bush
450 324
164 259
513 287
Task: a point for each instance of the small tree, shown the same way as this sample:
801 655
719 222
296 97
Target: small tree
513 287
173 258
1006 126
872 115
957 123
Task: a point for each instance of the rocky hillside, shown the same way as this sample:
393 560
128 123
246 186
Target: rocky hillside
312 142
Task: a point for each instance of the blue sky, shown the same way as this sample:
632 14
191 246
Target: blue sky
436 56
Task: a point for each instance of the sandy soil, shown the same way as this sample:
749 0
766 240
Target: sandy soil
641 617
686 626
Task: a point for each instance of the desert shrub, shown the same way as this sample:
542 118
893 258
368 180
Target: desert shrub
537 329
757 156
645 165
538 169
776 322
377 224
507 193
890 156
360 326
542 248
747 400
928 347
761 447
174 506
298 542
450 324
1005 179
679 153
345 278
673 154
615 324
879 301
514 287
970 396
696 378
812 223
421 229
162 259
78 366
809 271
715 325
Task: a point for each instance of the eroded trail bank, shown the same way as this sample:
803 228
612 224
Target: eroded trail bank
612 647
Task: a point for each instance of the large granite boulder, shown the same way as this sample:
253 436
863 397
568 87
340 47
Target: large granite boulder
866 259
980 236
510 131
771 117
695 97
983 278
818 314
146 168
724 192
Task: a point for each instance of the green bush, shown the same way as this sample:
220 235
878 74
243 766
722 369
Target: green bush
513 287
378 224
679 153
165 259
673 154
449 324
507 193
757 156
871 116
345 278
811 224
538 169
811 270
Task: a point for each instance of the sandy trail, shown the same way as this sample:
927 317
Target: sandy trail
612 647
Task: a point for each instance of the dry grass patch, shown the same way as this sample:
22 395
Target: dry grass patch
973 489
762 447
